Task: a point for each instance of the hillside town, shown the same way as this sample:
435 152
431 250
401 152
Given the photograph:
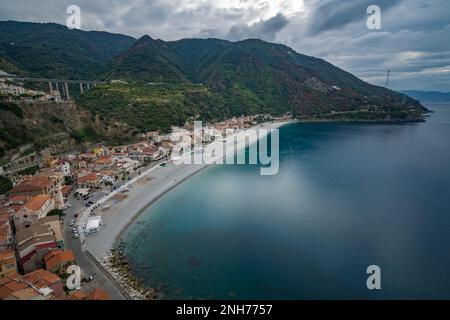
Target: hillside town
35 226
11 91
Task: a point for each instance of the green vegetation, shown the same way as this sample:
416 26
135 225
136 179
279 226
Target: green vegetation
56 212
53 51
153 107
171 83
11 107
29 171
5 185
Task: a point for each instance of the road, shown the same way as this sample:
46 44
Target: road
88 267
87 264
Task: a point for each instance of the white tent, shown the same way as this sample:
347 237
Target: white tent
93 225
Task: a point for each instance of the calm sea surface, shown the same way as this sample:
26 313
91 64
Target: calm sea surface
347 196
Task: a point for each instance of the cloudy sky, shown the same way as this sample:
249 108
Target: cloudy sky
413 42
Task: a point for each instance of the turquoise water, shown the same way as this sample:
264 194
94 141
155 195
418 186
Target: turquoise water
347 196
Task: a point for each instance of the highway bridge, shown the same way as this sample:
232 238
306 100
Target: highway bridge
58 85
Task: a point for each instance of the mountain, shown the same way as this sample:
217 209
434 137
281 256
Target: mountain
44 124
169 82
253 76
429 96
54 51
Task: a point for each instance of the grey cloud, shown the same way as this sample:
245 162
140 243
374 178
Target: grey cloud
413 42
266 29
331 15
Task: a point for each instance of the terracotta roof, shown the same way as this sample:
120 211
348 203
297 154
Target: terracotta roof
79 294
103 159
18 199
98 294
24 294
32 184
58 257
37 202
89 177
66 189
7 254
5 217
42 274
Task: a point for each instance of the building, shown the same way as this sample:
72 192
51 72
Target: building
35 208
8 263
33 244
93 225
96 294
50 183
54 223
6 232
66 191
57 261
38 285
102 162
90 181
64 167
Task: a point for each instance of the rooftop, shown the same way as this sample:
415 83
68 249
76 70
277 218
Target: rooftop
37 202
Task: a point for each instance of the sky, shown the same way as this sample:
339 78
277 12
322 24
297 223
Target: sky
413 42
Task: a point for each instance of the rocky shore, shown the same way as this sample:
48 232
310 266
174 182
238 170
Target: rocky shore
116 264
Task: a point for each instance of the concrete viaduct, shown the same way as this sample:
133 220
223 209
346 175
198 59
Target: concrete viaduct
62 86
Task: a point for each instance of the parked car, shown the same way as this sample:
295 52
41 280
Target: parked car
72 223
75 230
76 215
76 235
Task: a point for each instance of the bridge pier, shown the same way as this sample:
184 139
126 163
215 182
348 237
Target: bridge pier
50 85
81 88
66 87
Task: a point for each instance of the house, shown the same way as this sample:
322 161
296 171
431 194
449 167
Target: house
152 152
6 232
54 223
90 181
64 167
37 285
34 209
78 164
96 294
66 191
57 261
89 157
8 263
109 176
102 163
50 183
32 244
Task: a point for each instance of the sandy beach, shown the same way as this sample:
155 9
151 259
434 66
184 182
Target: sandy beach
143 191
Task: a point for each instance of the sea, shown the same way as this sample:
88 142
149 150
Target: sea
347 196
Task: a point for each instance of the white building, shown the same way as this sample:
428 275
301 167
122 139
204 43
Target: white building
65 168
93 225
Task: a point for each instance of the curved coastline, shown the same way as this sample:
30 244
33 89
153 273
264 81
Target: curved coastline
143 193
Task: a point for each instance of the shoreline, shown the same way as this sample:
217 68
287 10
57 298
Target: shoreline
143 192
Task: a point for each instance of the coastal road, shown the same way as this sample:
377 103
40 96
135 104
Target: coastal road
88 267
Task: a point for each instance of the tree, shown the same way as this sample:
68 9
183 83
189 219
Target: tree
56 212
5 185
